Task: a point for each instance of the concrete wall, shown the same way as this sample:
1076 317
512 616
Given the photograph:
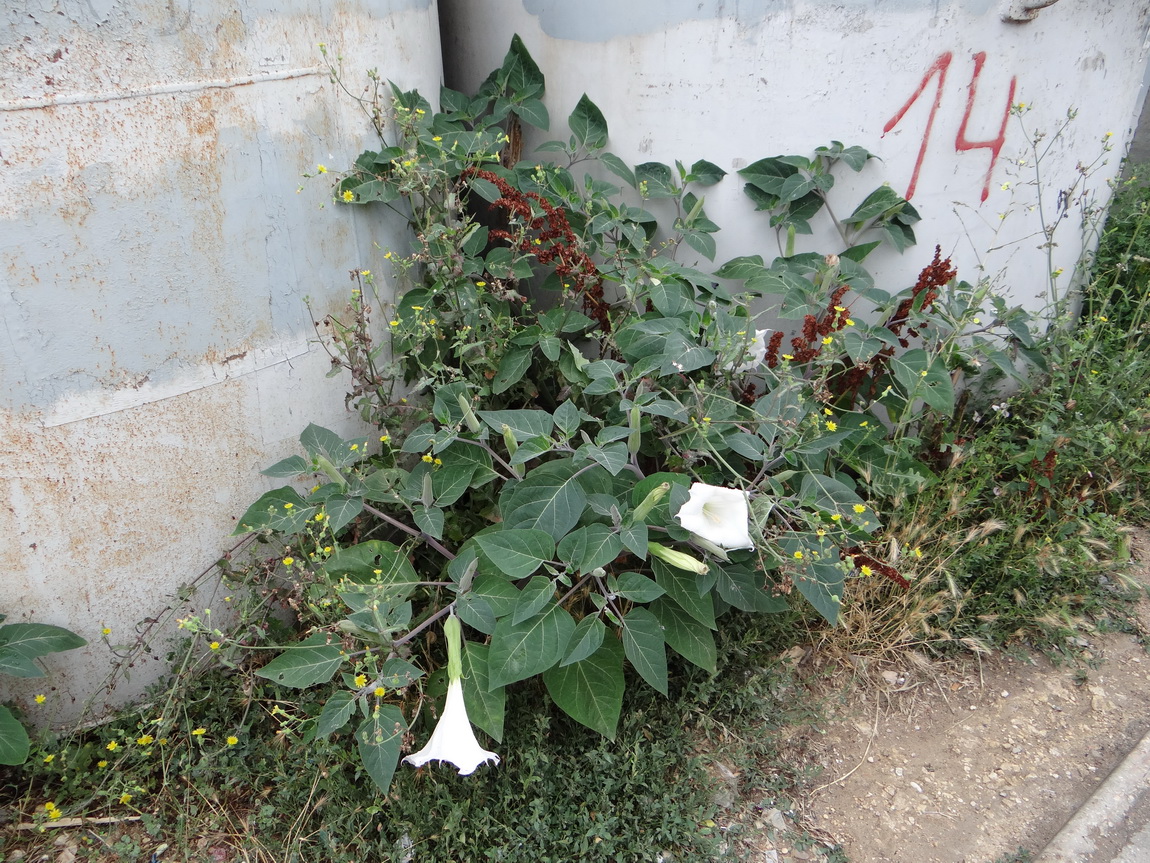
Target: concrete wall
925 84
155 254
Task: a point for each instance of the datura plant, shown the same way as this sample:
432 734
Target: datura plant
590 443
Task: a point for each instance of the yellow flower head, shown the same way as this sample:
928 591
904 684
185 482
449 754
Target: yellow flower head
798 555
832 426
427 457
836 517
48 759
320 169
125 798
319 516
215 645
199 732
107 630
348 196
379 691
232 740
866 570
858 507
112 746
361 680
288 561
101 763
145 740
827 340
40 699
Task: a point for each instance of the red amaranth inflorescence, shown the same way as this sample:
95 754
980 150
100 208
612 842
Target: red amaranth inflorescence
554 243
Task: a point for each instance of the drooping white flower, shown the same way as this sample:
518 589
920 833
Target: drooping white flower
453 738
718 514
754 353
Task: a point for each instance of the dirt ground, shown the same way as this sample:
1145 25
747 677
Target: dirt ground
964 762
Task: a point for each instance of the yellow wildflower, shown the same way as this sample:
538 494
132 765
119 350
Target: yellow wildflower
40 699
858 507
232 740
866 570
348 196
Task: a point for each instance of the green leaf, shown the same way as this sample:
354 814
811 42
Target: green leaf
512 367
360 562
485 706
707 173
533 598
335 714
745 588
827 494
319 441
768 175
288 467
681 355
429 520
585 640
634 538
613 457
588 124
534 112
683 587
619 168
818 575
18 665
645 647
14 743
880 201
687 637
656 180
398 673
588 548
637 587
32 640
341 509
522 650
312 661
524 424
591 691
568 418
549 498
281 509
516 552
380 737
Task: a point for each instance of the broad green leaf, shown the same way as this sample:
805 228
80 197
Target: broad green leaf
550 498
637 587
533 598
38 639
568 418
516 553
319 441
522 650
288 467
380 737
281 509
451 480
341 509
634 538
588 548
429 520
374 562
335 714
18 665
746 589
619 168
534 112
683 588
687 637
591 691
880 201
585 640
14 743
925 377
680 354
588 124
825 493
398 673
707 173
511 369
613 457
655 180
485 706
524 424
312 661
818 574
645 646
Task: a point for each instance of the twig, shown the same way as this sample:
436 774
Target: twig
78 822
845 776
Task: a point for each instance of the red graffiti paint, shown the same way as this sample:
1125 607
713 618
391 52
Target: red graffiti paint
961 142
938 69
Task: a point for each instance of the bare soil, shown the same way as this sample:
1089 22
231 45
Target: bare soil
964 762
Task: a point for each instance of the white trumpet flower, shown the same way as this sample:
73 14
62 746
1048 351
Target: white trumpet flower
453 738
718 514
